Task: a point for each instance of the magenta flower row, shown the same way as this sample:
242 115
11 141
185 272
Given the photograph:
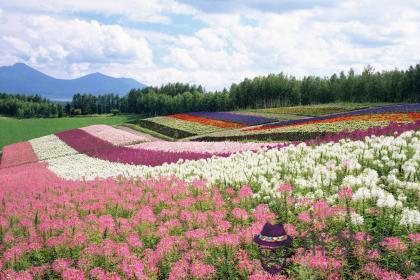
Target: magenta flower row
92 146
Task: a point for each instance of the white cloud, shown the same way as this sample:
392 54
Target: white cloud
238 43
48 42
136 11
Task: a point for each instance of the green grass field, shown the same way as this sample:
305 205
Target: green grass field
17 130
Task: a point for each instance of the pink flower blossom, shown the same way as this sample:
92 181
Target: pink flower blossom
414 237
345 193
202 271
285 187
290 230
240 214
245 192
304 217
394 244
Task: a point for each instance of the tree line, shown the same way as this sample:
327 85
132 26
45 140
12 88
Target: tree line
276 90
33 106
273 90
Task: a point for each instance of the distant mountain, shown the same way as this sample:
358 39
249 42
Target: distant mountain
20 78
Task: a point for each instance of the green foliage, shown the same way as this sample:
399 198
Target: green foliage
22 106
77 112
115 112
102 104
280 90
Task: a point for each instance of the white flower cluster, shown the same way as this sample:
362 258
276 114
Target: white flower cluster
410 217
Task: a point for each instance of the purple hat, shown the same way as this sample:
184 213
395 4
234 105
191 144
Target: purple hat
273 236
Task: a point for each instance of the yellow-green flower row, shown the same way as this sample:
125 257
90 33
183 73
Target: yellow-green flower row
192 127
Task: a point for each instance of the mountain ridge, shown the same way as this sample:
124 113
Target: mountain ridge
23 79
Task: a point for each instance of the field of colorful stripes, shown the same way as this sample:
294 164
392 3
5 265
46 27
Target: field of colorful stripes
150 153
394 113
232 117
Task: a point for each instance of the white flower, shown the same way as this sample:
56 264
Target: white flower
356 219
361 194
387 200
410 217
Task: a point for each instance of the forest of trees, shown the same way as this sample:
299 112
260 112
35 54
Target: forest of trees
88 104
281 90
272 90
34 106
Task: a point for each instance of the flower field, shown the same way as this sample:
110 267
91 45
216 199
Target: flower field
295 129
102 203
191 127
315 110
180 126
233 117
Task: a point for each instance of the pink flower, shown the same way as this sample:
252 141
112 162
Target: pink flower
394 244
230 191
290 230
240 214
73 274
321 209
345 193
414 237
226 239
202 271
179 270
285 187
98 273
133 240
245 192
196 234
304 217
380 273
59 265
263 213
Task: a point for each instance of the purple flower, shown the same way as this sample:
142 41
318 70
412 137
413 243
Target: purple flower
232 117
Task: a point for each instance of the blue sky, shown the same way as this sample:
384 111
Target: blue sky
208 42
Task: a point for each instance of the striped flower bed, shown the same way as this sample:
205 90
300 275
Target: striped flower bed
207 121
17 154
113 135
215 148
89 145
408 112
232 117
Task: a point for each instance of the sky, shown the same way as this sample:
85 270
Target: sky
210 42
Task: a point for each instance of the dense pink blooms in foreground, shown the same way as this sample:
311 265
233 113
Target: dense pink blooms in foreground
128 227
166 227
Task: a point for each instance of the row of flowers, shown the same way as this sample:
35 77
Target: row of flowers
214 148
356 220
370 118
17 154
233 117
151 153
94 147
116 137
189 126
406 108
206 121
